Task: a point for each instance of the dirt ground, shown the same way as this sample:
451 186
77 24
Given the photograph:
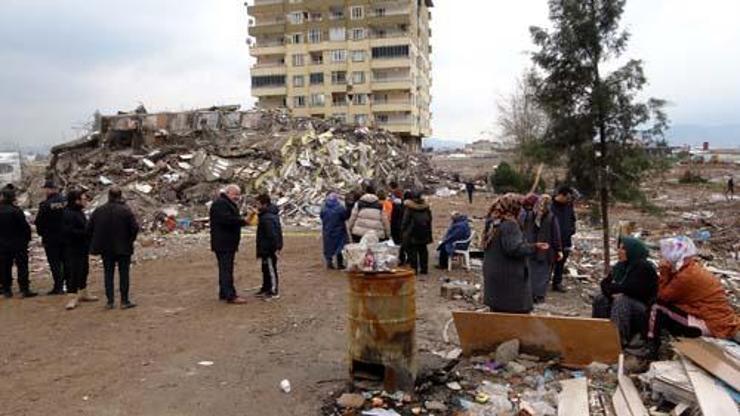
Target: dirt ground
145 361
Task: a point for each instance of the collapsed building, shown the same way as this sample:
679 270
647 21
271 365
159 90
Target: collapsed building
173 164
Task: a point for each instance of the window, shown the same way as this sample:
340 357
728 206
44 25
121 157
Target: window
380 11
357 12
358 56
336 13
337 34
317 100
298 60
314 36
358 77
358 34
314 16
341 117
361 119
268 81
339 77
381 118
391 51
299 101
339 99
339 55
296 38
359 99
317 58
317 78
298 80
295 18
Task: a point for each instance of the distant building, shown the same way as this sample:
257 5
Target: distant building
365 61
482 148
10 168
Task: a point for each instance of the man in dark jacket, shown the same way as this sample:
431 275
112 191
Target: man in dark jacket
114 229
417 233
77 249
226 231
15 234
397 213
470 189
269 244
49 227
562 208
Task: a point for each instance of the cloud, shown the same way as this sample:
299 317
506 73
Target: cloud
62 60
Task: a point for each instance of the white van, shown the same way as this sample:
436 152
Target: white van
10 168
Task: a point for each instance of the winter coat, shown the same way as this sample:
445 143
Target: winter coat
417 223
694 290
76 231
459 230
269 232
397 220
333 227
547 232
367 215
114 229
226 225
49 219
507 287
641 284
15 233
566 217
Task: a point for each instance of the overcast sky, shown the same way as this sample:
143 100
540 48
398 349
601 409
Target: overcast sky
62 60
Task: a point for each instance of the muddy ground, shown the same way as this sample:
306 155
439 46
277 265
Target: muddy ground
145 361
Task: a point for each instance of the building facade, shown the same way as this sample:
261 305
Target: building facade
364 61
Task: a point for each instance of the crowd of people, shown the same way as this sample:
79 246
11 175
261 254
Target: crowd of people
69 239
527 241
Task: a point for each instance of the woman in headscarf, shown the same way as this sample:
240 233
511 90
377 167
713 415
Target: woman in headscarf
691 301
507 287
540 226
333 230
628 291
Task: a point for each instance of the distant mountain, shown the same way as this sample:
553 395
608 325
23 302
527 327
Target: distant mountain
444 144
718 136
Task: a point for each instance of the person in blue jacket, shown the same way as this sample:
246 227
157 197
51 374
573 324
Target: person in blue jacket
334 230
459 230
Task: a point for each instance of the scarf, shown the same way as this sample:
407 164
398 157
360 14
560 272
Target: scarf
637 252
677 250
506 207
542 208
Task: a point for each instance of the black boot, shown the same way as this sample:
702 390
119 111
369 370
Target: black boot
27 293
8 294
558 287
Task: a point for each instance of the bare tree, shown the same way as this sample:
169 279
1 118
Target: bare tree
523 123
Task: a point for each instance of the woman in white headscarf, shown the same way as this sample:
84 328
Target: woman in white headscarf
691 301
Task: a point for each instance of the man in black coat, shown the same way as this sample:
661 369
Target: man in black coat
417 232
114 229
49 227
15 234
562 208
269 244
226 224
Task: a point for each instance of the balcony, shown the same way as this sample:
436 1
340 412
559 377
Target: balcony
381 11
266 2
268 90
268 21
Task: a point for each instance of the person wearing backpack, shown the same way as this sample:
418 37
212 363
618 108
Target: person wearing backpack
417 232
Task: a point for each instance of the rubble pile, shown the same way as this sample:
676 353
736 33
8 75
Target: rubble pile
174 163
480 386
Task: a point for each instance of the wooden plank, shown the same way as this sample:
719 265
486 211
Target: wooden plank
620 404
632 397
573 400
713 399
579 341
712 359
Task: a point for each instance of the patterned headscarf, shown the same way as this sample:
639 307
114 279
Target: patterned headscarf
542 208
677 250
506 207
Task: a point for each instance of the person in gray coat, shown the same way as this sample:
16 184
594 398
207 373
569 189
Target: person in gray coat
507 287
540 225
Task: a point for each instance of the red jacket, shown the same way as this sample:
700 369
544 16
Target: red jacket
694 290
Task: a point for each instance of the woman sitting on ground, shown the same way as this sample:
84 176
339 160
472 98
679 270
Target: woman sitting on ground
628 292
691 301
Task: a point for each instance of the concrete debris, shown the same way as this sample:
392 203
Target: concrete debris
507 352
352 401
298 160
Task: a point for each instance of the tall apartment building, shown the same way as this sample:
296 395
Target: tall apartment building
364 61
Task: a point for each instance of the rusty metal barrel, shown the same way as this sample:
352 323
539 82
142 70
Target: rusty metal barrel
382 328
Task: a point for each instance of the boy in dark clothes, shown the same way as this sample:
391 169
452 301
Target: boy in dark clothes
269 244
